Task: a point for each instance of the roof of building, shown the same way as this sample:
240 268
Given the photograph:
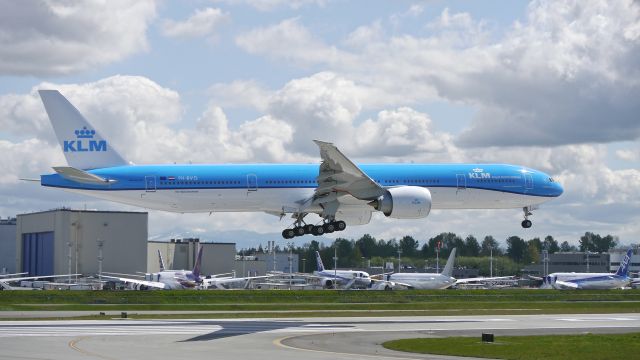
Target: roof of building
92 211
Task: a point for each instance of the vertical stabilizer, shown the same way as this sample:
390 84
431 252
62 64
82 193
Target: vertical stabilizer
319 261
161 260
448 269
623 270
198 266
83 146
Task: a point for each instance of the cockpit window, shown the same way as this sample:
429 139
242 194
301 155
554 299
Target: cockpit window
551 179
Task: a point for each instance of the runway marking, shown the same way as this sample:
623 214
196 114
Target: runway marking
73 344
598 319
278 342
106 329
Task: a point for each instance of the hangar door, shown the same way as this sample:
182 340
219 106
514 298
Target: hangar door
37 253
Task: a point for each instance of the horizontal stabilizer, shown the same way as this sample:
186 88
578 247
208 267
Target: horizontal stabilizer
81 176
33 180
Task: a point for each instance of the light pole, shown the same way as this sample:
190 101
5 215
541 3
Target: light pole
304 265
335 267
490 261
587 260
399 253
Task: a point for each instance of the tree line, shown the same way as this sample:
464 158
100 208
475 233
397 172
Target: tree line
376 252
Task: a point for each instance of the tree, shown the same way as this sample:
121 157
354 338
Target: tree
409 246
471 247
565 247
368 246
596 243
534 247
489 246
550 244
516 248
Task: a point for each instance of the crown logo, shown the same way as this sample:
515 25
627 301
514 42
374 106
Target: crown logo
478 170
85 133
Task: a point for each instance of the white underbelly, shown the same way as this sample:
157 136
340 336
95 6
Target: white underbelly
452 198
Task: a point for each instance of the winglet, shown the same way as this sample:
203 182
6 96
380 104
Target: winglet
319 261
448 269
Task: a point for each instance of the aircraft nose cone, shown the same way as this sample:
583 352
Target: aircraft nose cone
558 189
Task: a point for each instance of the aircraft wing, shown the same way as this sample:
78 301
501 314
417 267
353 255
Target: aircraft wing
482 279
81 176
566 285
8 280
151 284
340 176
379 284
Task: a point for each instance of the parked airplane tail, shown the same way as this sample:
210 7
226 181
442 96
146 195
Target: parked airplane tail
83 146
161 260
623 270
448 269
319 261
197 267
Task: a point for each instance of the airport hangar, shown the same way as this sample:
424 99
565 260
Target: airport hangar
65 241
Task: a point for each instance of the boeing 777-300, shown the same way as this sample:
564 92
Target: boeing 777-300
340 191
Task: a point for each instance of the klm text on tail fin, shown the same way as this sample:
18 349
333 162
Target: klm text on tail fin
83 146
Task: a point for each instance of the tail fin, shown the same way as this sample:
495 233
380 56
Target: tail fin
319 261
161 260
623 270
83 146
198 264
448 269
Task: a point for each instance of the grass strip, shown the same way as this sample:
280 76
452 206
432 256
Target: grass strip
550 347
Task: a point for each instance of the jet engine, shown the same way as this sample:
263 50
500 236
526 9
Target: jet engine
405 202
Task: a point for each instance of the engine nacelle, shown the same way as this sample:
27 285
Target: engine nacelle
404 202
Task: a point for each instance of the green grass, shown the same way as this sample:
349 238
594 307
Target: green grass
427 302
551 347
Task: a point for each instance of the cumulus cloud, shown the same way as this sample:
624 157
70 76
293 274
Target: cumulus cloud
269 5
53 38
557 78
202 23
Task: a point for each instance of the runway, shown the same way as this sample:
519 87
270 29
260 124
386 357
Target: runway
284 339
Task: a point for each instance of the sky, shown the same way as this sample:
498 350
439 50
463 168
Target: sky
552 85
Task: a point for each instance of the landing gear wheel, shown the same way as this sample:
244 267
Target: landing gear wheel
318 230
340 225
329 227
308 229
288 234
526 224
299 230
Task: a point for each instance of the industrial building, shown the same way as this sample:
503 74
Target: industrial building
7 245
570 262
64 241
181 254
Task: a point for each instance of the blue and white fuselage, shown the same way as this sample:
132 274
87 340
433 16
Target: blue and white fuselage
592 281
338 190
272 187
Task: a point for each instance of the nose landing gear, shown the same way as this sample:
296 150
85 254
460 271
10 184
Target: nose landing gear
526 223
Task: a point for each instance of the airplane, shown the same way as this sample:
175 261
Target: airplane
167 279
430 281
338 190
181 279
347 279
592 281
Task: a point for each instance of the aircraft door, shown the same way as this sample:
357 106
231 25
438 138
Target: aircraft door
150 183
252 182
528 181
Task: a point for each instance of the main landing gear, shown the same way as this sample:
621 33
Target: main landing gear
301 228
526 223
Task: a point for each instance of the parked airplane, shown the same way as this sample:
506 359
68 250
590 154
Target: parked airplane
338 190
436 281
5 282
168 279
592 281
344 278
